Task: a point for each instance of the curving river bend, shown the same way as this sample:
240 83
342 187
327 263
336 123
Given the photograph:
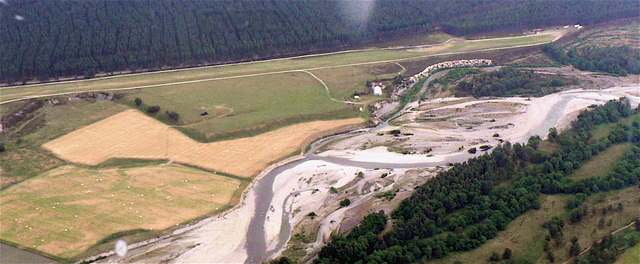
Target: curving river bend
256 245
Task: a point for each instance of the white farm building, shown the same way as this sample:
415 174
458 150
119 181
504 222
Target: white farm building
377 88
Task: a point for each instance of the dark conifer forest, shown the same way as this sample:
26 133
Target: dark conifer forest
44 39
615 60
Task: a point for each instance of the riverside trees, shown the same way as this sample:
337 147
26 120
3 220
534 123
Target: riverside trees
463 207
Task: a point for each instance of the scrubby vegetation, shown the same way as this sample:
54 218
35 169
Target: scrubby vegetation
615 60
453 76
462 208
508 82
48 39
609 248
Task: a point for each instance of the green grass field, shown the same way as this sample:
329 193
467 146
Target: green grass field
501 42
343 82
415 40
249 98
342 59
603 163
630 256
602 131
240 107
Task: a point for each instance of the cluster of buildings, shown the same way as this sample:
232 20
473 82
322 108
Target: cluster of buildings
450 64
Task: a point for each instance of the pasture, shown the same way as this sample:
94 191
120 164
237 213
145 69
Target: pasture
246 106
343 82
132 134
65 211
631 256
267 67
603 163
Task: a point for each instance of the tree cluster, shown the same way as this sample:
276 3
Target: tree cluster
608 248
507 82
620 60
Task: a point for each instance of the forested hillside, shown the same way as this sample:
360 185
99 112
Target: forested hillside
615 60
540 13
47 39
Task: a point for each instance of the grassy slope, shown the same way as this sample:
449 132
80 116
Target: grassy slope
602 131
329 60
525 235
630 256
245 104
603 163
612 35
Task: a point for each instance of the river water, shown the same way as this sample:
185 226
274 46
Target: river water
255 240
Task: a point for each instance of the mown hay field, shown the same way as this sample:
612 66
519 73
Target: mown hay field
132 134
65 211
241 70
